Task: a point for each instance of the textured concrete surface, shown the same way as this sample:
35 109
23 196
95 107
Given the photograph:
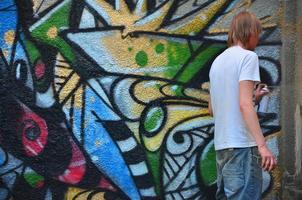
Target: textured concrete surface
291 101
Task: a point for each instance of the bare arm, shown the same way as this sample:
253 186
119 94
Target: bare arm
250 117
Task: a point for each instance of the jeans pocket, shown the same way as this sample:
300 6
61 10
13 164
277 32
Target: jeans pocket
233 177
256 156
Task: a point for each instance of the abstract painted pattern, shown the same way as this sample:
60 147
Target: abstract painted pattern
107 99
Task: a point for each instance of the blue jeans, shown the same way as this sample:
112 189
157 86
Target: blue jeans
239 174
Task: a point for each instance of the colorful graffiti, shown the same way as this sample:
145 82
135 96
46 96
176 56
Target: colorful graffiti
108 99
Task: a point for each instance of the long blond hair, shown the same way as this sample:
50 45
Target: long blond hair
243 25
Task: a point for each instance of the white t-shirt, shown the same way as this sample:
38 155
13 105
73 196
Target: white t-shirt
235 64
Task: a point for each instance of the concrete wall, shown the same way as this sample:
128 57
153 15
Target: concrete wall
291 156
108 99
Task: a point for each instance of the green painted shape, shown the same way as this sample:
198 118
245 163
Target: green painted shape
195 45
141 58
154 119
177 54
159 48
130 49
32 51
60 20
157 86
199 62
33 178
153 159
207 167
178 91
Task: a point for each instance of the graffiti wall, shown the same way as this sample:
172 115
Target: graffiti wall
104 99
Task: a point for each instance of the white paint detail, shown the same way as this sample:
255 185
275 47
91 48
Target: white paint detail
45 100
202 134
127 145
78 163
48 15
18 71
118 4
102 57
95 158
149 192
99 10
96 86
139 169
48 195
139 8
87 20
31 150
156 15
150 83
40 144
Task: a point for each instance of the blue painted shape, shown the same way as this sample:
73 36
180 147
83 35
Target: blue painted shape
107 157
2 156
76 126
102 149
95 103
20 53
8 22
9 4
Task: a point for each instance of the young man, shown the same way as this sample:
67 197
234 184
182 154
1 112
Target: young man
238 138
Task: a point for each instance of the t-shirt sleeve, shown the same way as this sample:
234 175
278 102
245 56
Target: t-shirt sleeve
250 69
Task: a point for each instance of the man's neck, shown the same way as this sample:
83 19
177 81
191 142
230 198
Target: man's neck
240 44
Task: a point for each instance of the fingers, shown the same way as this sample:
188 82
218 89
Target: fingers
268 163
272 164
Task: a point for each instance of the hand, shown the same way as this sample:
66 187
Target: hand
268 159
261 90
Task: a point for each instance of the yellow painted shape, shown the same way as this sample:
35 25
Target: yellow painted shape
277 175
62 68
52 32
123 17
9 37
123 8
60 60
147 91
136 109
36 4
277 172
134 127
141 7
121 54
5 53
154 24
199 94
78 98
98 143
62 72
274 135
72 192
68 87
168 90
200 21
65 71
175 114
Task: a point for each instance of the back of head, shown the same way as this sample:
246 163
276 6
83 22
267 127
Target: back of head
243 25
